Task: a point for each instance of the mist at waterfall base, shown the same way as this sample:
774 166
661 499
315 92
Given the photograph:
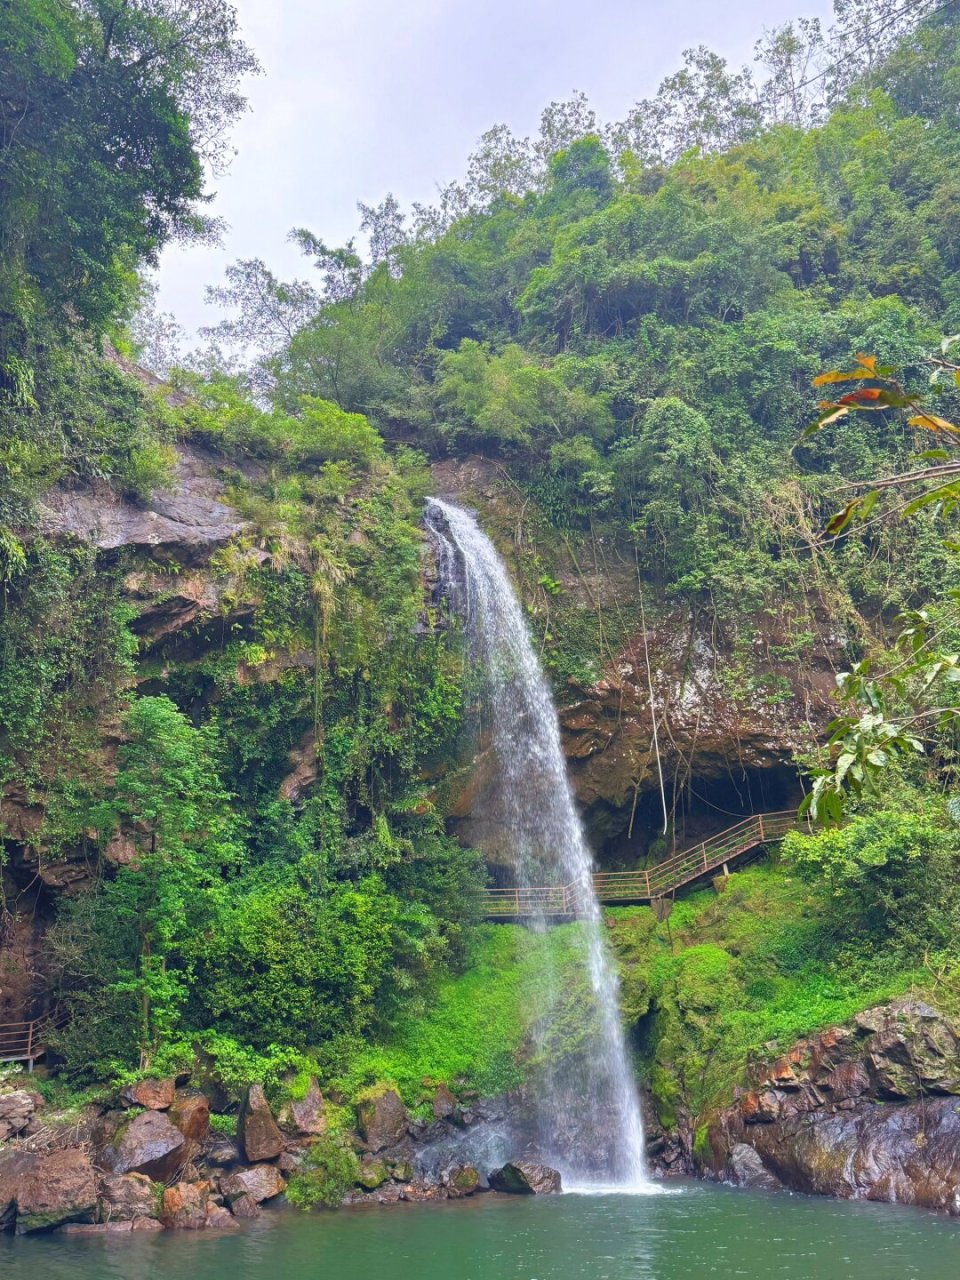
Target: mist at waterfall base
586 1118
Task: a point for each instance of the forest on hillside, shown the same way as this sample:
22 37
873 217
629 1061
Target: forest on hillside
626 321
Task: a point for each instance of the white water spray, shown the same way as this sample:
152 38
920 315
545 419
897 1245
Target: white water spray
596 1100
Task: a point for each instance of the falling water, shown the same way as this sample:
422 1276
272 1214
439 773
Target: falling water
589 1123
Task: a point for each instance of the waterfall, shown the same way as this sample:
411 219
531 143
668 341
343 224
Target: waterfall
588 1113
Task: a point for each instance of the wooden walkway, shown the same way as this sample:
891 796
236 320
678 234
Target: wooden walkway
26 1041
643 886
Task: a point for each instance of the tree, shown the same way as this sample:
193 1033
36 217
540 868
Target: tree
110 108
171 810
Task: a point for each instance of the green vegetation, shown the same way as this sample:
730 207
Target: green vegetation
625 323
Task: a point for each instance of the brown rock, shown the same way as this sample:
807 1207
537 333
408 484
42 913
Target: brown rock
190 1112
17 1109
526 1179
261 1182
219 1218
307 1115
382 1120
126 1196
155 1095
185 1206
149 1144
259 1135
14 1167
445 1103
60 1187
760 1107
245 1207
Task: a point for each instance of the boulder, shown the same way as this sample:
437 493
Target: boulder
190 1113
305 1116
748 1170
154 1095
259 1135
124 1197
261 1182
464 1180
382 1120
149 1144
524 1178
186 1206
61 1187
14 1167
17 1109
222 1152
372 1173
245 1207
445 1103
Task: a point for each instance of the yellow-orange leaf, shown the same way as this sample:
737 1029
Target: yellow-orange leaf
930 422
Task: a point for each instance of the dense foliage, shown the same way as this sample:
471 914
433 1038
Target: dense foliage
625 323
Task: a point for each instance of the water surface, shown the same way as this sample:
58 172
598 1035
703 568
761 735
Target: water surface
698 1231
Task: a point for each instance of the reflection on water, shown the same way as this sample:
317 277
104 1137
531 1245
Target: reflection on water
704 1232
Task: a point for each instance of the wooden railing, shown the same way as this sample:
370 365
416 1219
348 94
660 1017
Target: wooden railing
26 1041
643 886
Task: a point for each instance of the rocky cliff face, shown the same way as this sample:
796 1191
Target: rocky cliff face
732 704
869 1111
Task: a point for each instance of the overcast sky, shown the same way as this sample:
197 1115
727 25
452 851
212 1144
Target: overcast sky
362 97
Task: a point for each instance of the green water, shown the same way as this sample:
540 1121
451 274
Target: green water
698 1231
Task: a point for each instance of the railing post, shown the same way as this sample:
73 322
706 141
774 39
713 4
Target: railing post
761 828
516 894
704 848
647 874
30 1048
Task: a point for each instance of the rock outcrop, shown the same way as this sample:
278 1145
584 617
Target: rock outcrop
870 1111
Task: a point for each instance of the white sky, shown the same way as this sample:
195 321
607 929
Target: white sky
362 97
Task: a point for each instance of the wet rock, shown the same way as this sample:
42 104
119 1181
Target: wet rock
382 1120
222 1152
760 1106
748 1170
445 1103
245 1207
390 1193
372 1173
219 1218
14 1167
461 1181
420 1191
149 1144
291 1161
127 1196
58 1188
257 1130
94 1228
190 1113
307 1115
17 1109
261 1182
525 1178
154 1095
401 1170
186 1206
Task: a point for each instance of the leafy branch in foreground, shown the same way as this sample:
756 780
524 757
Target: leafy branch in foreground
911 708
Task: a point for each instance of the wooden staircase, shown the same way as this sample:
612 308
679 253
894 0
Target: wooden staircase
717 853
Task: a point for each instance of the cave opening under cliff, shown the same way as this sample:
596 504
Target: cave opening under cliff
698 808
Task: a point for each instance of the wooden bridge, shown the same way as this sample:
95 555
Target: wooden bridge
26 1041
715 854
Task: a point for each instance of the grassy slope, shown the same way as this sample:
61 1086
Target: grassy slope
731 975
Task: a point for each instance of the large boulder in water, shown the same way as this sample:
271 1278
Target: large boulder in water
523 1178
61 1187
